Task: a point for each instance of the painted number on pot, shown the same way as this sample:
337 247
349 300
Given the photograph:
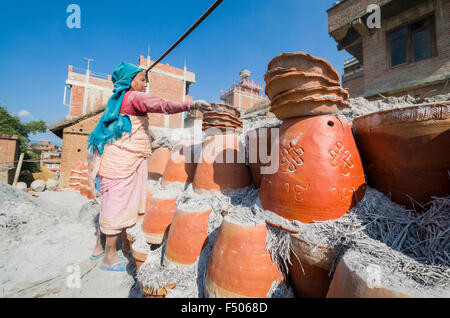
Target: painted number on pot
296 189
344 194
341 157
292 156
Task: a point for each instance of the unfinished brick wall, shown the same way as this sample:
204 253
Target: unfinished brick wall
9 155
74 147
354 84
379 77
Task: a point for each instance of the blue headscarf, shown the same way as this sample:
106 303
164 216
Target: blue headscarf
112 125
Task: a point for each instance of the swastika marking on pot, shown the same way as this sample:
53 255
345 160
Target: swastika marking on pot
341 157
292 156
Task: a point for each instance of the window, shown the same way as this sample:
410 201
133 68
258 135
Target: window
413 42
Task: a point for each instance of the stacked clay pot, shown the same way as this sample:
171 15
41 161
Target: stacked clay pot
222 165
75 174
187 236
299 84
150 191
406 152
159 216
181 165
157 163
240 266
320 175
224 118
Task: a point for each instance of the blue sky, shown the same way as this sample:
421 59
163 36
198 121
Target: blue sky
36 46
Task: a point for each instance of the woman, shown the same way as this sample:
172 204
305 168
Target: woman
121 145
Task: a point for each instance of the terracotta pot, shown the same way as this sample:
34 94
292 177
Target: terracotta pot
215 172
225 108
158 162
159 217
239 265
309 106
160 293
259 141
187 236
320 175
138 257
304 62
351 280
317 261
130 239
296 80
404 148
181 165
318 91
218 117
220 130
150 192
219 120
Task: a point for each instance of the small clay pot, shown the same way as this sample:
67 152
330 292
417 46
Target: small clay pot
304 62
139 258
259 141
220 120
160 293
240 266
320 175
406 152
186 237
181 165
219 107
317 261
296 80
158 162
319 91
215 172
159 217
217 117
309 106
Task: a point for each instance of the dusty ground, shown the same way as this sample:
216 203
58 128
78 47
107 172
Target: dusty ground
42 249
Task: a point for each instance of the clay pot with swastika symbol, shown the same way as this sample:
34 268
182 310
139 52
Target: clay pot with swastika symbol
320 176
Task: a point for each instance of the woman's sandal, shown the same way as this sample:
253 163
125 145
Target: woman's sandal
123 266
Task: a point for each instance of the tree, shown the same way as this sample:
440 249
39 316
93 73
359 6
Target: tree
11 125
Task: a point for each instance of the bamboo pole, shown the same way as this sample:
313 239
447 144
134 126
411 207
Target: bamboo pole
19 167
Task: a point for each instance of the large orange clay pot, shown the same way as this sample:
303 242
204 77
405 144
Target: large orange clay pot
283 82
157 163
150 191
259 150
320 176
239 265
406 152
304 62
317 260
181 165
187 235
222 166
159 217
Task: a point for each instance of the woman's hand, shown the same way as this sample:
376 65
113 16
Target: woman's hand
201 106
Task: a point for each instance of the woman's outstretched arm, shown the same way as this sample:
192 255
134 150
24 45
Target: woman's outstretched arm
144 103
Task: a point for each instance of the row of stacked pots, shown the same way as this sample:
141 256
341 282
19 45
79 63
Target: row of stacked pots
78 180
252 273
224 118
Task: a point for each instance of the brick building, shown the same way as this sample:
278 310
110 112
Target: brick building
9 155
87 105
409 54
244 94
